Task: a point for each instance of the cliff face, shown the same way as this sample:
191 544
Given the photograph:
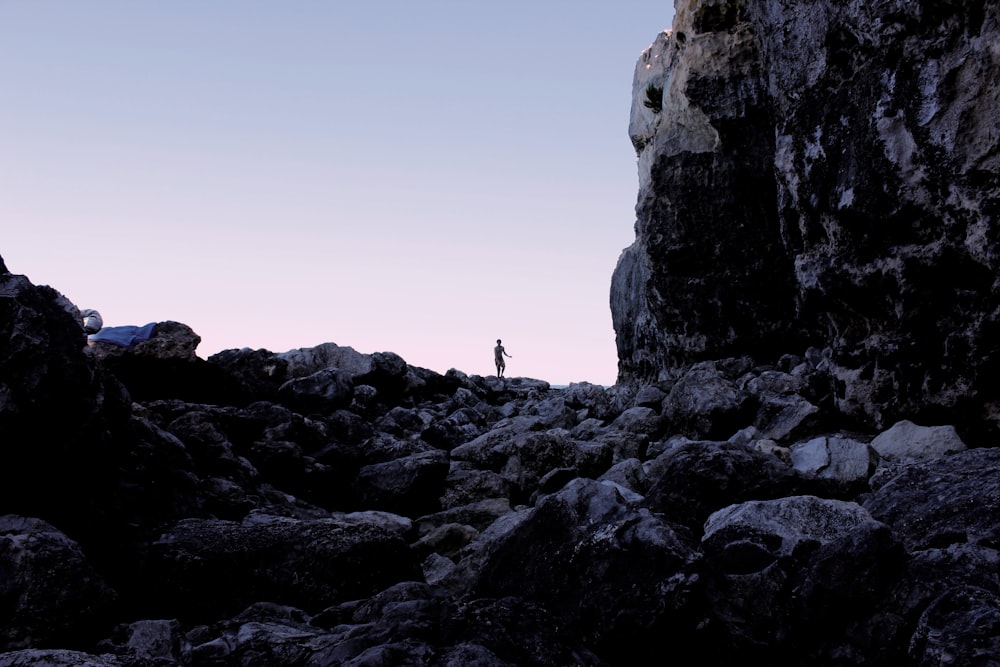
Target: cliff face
821 174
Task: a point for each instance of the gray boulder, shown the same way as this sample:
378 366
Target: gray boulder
60 658
843 460
906 442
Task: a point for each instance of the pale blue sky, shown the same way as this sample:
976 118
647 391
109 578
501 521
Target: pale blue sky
414 177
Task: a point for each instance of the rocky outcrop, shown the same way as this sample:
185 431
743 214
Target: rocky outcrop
415 518
821 174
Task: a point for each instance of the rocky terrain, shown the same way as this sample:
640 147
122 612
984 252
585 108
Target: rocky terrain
798 465
324 507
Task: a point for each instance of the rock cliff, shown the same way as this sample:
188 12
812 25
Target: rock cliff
821 174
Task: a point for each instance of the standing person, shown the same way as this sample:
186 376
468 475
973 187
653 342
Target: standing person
498 355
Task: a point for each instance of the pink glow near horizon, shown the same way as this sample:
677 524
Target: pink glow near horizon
420 179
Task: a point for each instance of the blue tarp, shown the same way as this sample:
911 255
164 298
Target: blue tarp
124 336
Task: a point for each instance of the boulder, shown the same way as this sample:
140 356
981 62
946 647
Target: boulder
777 573
580 552
322 391
59 658
834 458
209 568
51 593
705 404
57 408
906 442
930 504
689 482
410 485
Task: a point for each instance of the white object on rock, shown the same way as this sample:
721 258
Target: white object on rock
92 321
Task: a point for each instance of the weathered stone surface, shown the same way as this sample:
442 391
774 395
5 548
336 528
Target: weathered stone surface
705 403
834 458
212 567
588 547
165 366
411 485
329 388
170 340
778 573
949 500
906 442
689 482
51 594
154 642
822 174
959 628
58 658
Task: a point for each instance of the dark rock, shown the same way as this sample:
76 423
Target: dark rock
930 505
960 628
777 573
165 366
323 391
690 481
410 486
461 426
57 409
256 372
705 404
210 568
580 551
59 658
820 175
51 594
514 631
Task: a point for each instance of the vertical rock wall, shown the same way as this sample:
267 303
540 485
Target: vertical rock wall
820 173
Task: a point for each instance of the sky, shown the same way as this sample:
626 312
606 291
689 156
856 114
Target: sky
412 177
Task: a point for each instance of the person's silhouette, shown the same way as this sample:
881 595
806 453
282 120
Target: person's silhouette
498 355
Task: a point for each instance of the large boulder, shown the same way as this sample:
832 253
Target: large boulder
603 566
206 568
51 594
795 575
691 480
952 499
